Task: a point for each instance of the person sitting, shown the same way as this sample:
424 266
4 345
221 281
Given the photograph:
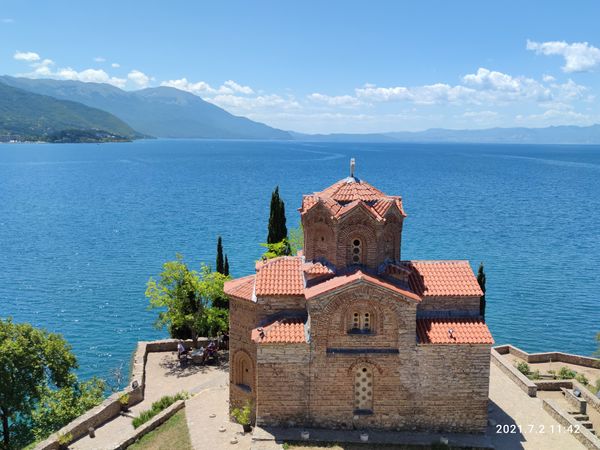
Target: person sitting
210 351
181 352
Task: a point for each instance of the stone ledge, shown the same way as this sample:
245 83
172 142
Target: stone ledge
529 387
584 361
584 435
461 440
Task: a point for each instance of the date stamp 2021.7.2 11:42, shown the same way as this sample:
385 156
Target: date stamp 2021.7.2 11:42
514 428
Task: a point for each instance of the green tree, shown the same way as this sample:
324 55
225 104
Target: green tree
296 239
58 407
277 249
36 365
277 226
481 281
226 267
220 263
184 296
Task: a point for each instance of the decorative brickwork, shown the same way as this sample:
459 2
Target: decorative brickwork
330 339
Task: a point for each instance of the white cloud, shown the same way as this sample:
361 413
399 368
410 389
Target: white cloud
242 104
202 88
335 100
548 78
26 56
139 79
89 76
115 65
99 59
579 56
230 84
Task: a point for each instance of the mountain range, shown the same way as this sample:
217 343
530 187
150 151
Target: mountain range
160 112
45 107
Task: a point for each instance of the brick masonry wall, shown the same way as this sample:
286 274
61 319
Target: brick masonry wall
330 239
282 384
242 319
453 387
468 304
270 306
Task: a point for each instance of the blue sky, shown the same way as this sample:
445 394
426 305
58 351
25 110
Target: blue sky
328 66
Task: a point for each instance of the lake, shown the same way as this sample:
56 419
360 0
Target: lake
83 227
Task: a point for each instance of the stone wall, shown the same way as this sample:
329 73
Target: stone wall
271 306
453 387
282 384
242 319
524 383
579 360
466 305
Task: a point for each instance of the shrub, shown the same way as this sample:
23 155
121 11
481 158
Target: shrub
523 367
597 386
535 375
124 400
243 415
582 379
64 439
566 374
157 407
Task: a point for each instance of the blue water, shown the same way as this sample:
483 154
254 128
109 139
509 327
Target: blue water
82 227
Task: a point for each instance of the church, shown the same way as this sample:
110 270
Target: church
348 335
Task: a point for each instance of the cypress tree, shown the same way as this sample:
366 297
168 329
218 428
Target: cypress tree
220 267
481 282
277 226
226 267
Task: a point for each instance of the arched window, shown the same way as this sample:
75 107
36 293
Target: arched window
363 388
361 322
356 251
242 371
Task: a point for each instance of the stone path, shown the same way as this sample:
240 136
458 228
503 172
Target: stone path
511 408
205 431
163 377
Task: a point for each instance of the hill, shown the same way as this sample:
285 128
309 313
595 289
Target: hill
161 111
28 116
548 135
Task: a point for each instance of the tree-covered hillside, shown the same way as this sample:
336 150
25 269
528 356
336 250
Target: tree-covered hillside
28 116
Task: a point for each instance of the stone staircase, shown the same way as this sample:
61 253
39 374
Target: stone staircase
584 419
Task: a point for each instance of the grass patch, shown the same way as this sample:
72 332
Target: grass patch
157 407
170 435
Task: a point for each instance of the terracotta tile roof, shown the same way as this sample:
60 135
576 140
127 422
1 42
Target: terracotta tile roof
280 276
241 287
341 280
316 268
346 194
289 331
453 331
443 279
350 189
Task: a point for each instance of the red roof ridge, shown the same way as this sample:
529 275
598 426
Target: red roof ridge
344 279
